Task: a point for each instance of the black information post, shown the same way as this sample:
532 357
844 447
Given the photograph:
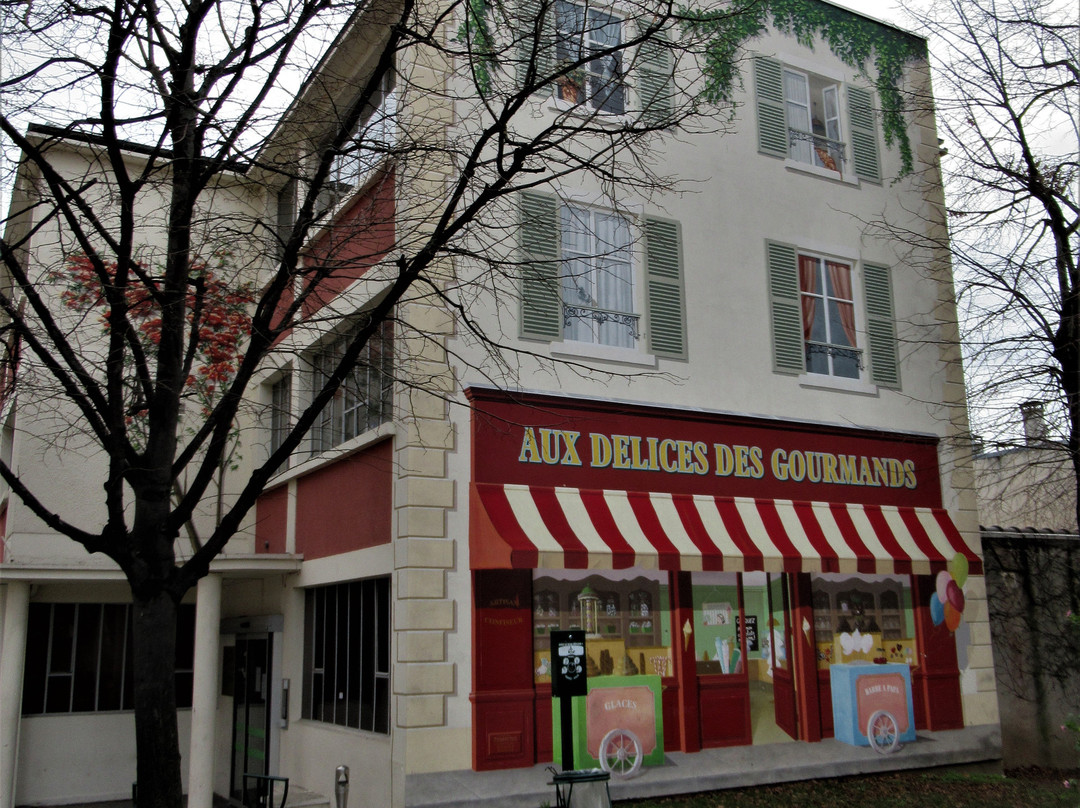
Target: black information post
567 681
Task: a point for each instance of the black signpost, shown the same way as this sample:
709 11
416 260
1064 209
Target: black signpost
567 681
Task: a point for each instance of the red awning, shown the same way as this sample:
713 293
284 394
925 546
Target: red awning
525 527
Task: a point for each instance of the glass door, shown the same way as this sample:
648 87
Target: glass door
251 712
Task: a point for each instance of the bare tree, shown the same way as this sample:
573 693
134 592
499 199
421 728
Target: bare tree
136 247
1007 94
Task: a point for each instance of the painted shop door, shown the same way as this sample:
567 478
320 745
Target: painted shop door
251 710
779 627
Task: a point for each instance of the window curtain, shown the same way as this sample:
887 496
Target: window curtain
808 278
840 280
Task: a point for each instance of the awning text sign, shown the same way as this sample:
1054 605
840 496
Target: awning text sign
533 440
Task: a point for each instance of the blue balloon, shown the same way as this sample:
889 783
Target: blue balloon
937 610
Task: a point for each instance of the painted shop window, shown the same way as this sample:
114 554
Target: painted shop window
717 622
868 618
365 398
625 615
347 655
79 658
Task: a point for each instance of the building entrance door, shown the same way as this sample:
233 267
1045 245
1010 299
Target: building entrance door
251 710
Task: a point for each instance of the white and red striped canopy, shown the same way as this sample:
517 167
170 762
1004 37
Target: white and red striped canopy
523 527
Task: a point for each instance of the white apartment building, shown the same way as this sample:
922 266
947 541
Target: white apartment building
758 478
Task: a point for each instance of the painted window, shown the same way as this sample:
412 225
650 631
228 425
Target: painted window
869 618
580 273
818 325
583 31
800 116
597 278
625 615
365 398
79 658
347 655
828 318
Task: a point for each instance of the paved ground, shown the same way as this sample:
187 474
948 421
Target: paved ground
709 770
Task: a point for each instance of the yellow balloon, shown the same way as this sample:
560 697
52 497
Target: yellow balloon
958 568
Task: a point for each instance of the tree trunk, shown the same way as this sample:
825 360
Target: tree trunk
157 738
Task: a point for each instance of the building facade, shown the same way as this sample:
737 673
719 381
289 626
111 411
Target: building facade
728 452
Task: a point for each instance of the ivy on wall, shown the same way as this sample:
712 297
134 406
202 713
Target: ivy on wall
855 40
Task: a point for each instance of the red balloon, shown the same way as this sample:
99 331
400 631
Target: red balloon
955 596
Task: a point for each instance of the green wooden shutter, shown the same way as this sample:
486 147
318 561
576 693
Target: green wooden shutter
656 69
541 297
881 326
789 351
664 288
771 118
527 26
864 142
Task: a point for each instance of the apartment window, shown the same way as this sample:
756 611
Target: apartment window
347 655
802 116
365 398
828 315
597 278
578 276
79 658
280 411
371 142
582 32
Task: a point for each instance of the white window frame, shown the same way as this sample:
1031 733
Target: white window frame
281 409
342 419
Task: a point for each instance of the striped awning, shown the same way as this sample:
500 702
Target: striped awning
525 527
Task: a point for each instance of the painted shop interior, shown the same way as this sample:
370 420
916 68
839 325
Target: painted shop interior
765 478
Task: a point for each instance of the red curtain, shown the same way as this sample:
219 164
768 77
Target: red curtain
840 278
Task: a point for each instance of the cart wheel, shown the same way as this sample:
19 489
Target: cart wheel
620 753
883 732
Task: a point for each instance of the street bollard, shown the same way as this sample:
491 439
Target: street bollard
341 786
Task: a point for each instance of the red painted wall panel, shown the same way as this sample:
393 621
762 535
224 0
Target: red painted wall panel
271 514
346 505
359 238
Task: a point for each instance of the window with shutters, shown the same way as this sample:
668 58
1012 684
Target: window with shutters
802 116
822 326
581 32
594 277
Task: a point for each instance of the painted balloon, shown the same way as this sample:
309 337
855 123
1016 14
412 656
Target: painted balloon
941 585
937 610
958 568
952 617
954 596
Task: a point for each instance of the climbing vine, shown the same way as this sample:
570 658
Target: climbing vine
854 39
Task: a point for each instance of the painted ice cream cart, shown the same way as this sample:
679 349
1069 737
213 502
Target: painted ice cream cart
872 705
618 726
